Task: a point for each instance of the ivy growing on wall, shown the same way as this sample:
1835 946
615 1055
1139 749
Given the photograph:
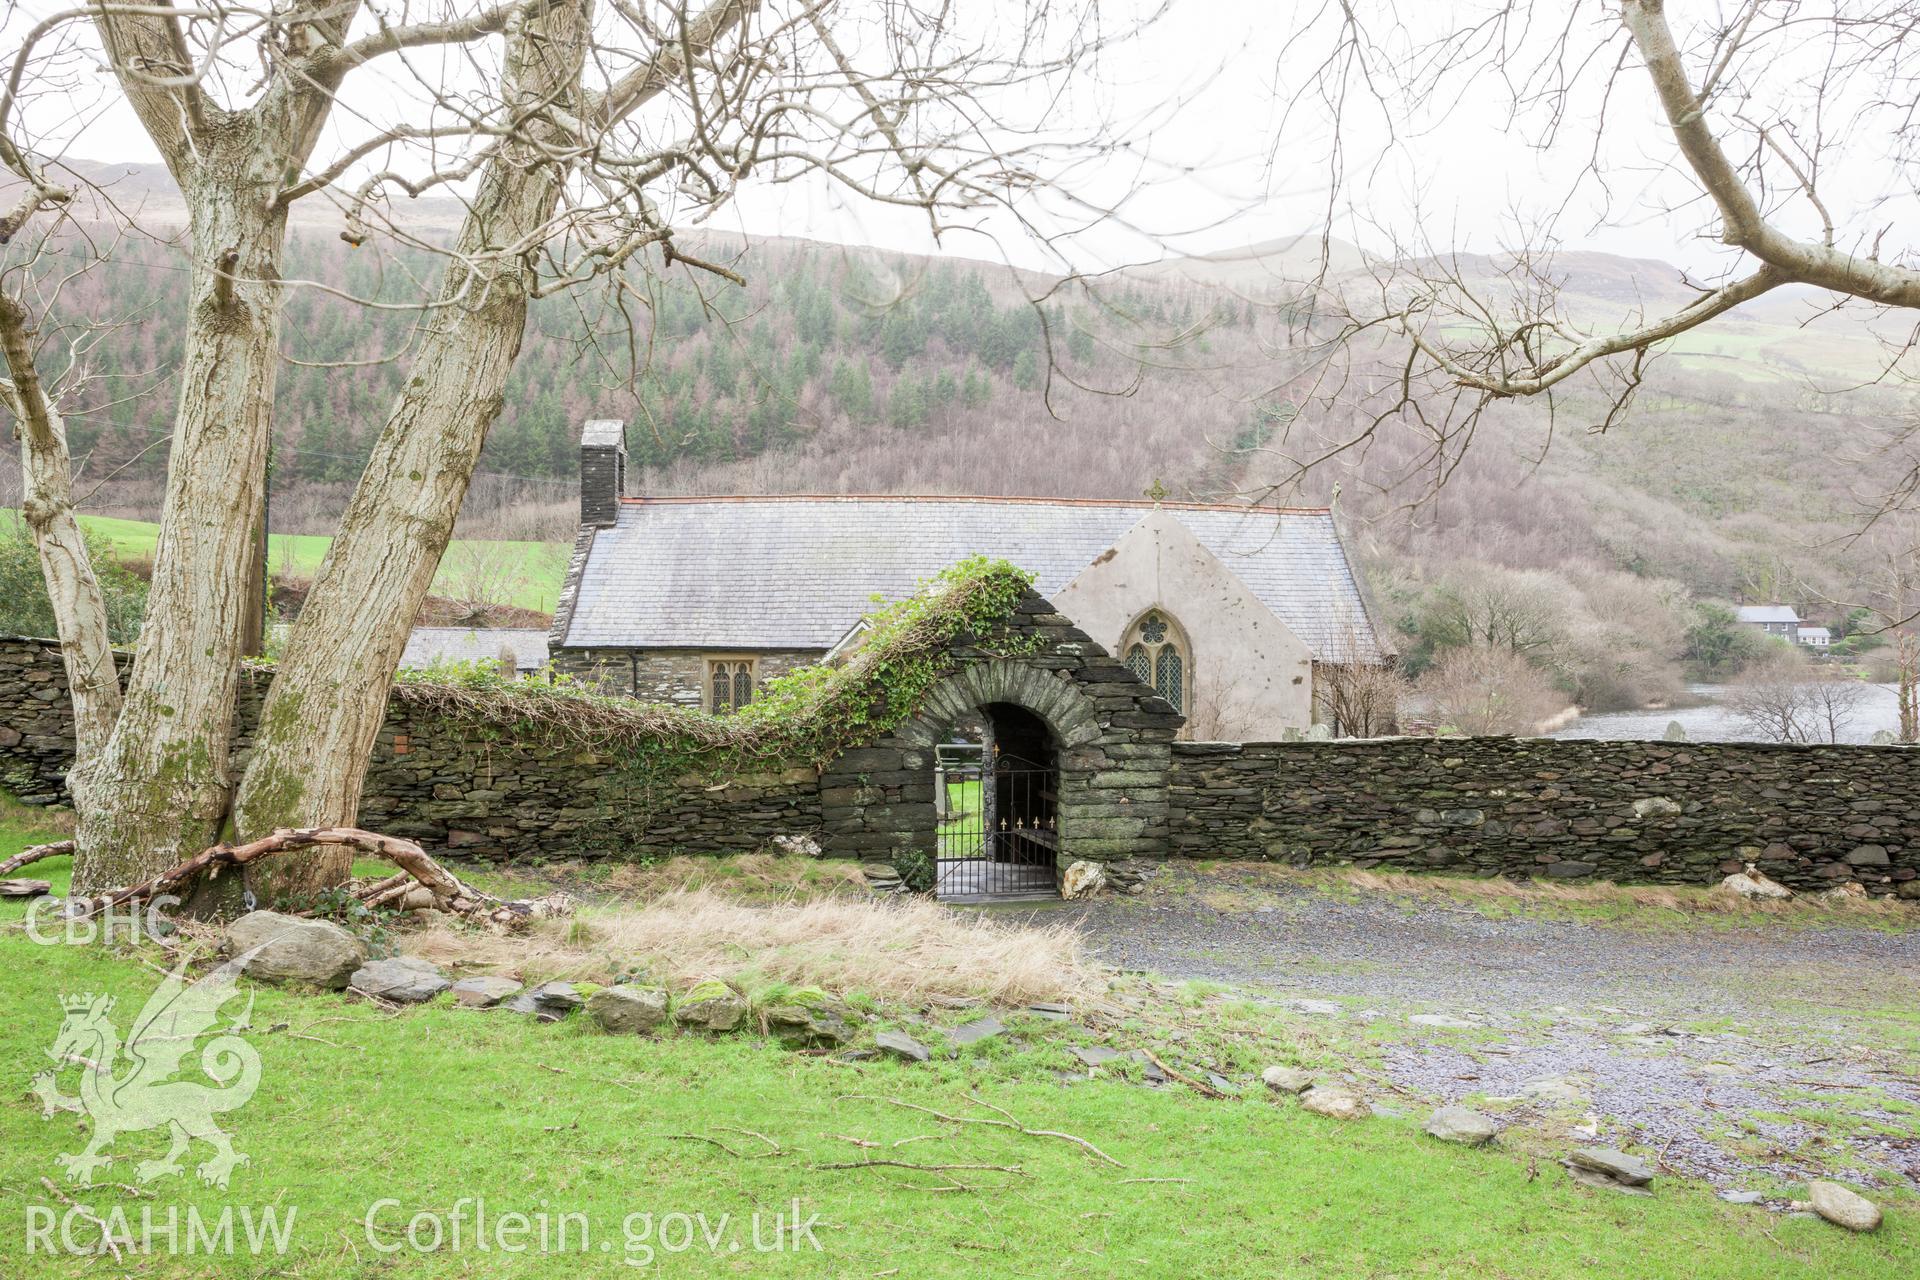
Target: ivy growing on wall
805 717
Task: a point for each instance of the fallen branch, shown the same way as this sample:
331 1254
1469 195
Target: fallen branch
1200 1087
450 894
27 857
753 1133
730 1150
86 1215
1008 1123
925 1168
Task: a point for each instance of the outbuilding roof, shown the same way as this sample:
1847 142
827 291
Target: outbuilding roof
429 645
795 572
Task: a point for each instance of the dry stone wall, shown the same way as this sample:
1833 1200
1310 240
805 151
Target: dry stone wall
454 786
1631 811
1675 812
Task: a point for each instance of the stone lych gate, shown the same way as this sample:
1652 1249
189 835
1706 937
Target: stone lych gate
1111 743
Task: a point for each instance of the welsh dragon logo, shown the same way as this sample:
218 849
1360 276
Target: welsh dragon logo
128 1087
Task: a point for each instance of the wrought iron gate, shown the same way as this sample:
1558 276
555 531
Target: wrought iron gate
998 832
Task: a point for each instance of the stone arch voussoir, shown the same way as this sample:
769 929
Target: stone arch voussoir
1066 711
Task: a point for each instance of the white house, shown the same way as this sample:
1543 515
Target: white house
1774 619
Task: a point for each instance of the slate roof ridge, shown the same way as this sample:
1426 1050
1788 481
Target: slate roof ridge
1138 504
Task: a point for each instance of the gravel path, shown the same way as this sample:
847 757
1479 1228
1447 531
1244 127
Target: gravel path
1751 1055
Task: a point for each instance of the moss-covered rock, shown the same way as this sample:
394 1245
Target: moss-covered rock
810 1020
628 1010
712 1007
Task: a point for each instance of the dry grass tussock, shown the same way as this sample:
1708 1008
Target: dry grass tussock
891 949
753 875
1683 898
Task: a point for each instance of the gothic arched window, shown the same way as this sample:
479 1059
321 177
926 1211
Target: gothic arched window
730 684
1156 651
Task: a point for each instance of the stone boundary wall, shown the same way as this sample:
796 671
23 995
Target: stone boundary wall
1676 812
1632 811
451 786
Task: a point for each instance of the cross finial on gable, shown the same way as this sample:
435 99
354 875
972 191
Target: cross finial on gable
1156 491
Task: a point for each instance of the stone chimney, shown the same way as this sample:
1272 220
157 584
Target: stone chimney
603 470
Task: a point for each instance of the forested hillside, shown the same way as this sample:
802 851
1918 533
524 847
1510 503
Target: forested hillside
845 369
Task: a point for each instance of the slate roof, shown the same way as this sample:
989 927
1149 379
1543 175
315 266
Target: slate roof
796 572
1767 613
428 645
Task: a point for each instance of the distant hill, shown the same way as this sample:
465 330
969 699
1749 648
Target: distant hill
843 368
1260 270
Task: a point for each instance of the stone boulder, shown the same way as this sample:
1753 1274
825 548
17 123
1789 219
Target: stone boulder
712 1007
287 950
628 1010
798 846
1461 1124
1755 883
1614 1166
810 1021
1843 1207
903 1046
973 1032
882 877
549 1002
1336 1101
400 979
1291 1080
485 992
1083 880
898 1044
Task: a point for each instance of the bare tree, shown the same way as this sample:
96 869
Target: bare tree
1219 712
79 605
1785 698
1522 613
1758 103
578 138
1357 693
1890 592
1483 690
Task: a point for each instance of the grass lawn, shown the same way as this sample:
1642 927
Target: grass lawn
960 831
538 566
362 1111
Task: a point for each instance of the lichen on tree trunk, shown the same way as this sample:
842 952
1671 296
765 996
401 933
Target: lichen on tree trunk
159 788
73 590
329 693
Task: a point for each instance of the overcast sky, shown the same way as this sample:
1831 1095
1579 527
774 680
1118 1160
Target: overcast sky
1210 168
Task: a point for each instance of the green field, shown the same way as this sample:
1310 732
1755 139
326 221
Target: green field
365 1118
960 830
526 574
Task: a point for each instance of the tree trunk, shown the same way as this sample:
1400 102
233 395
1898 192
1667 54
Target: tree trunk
79 610
159 788
1907 646
329 695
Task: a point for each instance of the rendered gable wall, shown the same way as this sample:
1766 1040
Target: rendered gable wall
1252 676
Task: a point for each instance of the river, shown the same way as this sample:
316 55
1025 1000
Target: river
1709 721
